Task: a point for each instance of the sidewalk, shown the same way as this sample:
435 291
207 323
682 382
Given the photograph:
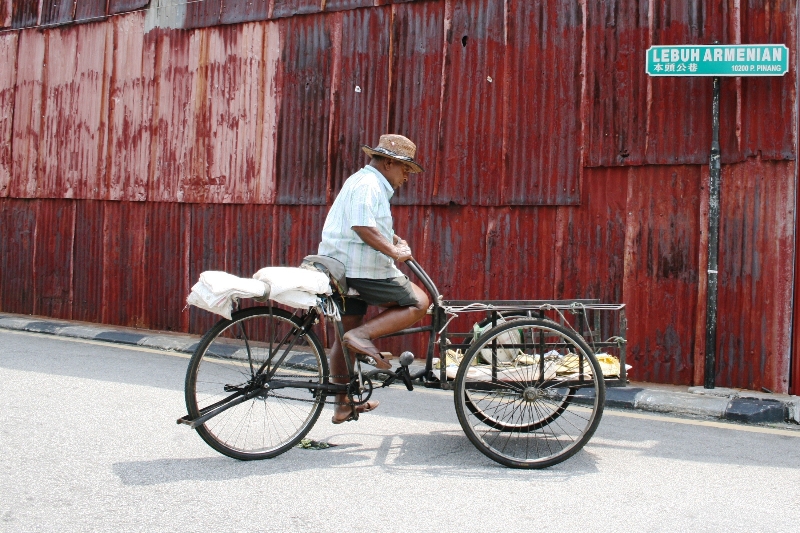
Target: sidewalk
729 404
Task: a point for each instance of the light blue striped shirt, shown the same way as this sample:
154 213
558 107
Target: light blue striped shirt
363 201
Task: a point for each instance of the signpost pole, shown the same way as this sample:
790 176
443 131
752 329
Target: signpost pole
715 60
713 241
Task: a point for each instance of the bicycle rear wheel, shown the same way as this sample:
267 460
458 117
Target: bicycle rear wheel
523 414
233 361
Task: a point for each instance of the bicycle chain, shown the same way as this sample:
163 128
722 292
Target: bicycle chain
326 402
306 376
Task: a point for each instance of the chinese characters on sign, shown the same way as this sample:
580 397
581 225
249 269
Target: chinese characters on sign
718 60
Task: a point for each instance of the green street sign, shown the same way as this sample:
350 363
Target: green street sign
718 60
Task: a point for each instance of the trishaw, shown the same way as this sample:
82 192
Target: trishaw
528 389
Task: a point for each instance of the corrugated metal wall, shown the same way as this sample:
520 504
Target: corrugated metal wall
143 149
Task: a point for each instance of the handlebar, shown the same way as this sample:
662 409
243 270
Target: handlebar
424 278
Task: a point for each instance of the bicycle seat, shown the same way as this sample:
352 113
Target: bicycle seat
333 268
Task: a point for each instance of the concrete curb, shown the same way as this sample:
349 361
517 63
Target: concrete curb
755 403
730 404
175 342
737 407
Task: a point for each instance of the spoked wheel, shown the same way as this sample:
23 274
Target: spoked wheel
235 360
522 414
561 400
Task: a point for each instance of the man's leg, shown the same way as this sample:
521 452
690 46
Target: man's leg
341 411
393 319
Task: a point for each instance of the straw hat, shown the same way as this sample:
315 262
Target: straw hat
395 147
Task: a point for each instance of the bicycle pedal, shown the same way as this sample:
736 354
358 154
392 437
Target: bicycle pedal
366 359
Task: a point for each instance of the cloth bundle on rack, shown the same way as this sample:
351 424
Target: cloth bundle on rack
216 291
295 287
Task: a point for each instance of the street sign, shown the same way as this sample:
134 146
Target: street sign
718 60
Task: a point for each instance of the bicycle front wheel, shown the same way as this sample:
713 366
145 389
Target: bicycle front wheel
237 359
516 388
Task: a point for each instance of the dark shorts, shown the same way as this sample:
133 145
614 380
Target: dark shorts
376 292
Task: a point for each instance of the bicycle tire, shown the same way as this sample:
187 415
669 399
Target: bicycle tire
229 356
518 416
506 316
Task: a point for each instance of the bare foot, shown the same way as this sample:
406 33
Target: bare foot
365 346
344 413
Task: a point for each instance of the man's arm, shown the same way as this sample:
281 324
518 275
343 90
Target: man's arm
372 237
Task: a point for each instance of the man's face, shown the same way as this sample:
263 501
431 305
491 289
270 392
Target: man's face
395 172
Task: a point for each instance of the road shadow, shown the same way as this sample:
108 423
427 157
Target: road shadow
437 454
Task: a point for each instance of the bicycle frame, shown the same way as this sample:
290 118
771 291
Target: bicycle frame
515 374
429 379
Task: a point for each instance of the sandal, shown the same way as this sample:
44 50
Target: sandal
371 405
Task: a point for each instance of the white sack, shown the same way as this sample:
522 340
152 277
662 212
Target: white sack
282 279
223 284
296 299
216 291
222 308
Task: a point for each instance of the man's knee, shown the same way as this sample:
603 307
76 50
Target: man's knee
423 302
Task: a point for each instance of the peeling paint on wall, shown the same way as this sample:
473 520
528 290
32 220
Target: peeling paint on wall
167 142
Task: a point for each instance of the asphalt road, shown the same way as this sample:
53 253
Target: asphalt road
89 443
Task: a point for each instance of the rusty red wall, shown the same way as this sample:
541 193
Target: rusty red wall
8 83
140 150
755 262
661 270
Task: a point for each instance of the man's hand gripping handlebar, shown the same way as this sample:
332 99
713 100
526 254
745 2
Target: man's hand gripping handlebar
403 250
